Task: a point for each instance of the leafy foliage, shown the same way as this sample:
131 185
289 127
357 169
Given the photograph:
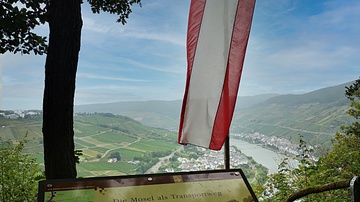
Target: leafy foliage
115 155
146 162
120 7
281 184
17 21
353 94
336 166
19 18
18 173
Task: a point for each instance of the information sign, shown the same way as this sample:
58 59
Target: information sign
210 186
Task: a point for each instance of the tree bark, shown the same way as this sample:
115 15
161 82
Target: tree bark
65 23
317 189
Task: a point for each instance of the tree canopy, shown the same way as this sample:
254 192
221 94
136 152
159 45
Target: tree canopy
19 18
115 155
327 178
17 26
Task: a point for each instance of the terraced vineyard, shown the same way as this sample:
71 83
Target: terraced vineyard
98 136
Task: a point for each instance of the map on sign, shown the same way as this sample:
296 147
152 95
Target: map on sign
209 186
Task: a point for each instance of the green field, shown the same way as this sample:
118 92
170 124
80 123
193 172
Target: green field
97 136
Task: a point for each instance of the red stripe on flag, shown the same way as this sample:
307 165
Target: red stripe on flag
236 58
208 106
194 23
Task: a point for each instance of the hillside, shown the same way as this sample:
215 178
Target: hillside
115 145
316 115
161 114
157 113
98 136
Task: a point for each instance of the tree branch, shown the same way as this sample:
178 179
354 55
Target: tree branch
317 189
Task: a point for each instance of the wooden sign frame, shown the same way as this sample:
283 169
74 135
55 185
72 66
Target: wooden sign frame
210 186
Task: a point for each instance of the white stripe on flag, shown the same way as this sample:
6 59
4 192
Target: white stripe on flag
217 37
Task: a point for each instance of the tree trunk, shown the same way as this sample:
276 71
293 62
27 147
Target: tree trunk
64 18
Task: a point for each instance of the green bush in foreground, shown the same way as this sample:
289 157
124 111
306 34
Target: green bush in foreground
19 173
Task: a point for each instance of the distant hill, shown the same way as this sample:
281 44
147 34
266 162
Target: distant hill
316 115
157 113
333 94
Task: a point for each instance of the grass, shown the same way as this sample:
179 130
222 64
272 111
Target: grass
83 143
128 154
102 166
100 149
114 137
94 136
39 157
153 145
93 141
86 129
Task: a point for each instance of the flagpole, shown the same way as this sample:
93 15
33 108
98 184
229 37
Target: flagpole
227 153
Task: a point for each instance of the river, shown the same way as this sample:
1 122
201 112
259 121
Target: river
265 157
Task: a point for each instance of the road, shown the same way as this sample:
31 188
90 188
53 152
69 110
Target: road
156 167
109 150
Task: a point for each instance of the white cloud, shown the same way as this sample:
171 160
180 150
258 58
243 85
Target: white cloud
294 52
295 46
110 78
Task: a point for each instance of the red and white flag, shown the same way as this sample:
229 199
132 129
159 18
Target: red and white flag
218 32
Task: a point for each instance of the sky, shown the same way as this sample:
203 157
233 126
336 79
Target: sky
295 46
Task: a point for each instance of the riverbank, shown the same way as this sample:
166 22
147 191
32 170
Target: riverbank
261 155
266 157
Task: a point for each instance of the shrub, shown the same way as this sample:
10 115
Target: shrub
19 173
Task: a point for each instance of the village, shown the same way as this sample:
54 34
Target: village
278 144
212 160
